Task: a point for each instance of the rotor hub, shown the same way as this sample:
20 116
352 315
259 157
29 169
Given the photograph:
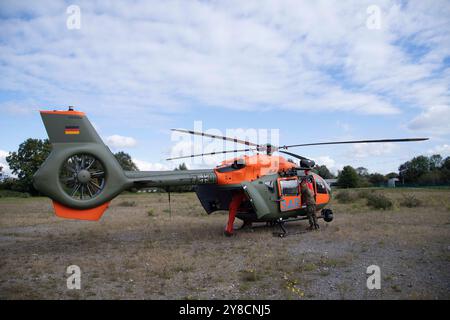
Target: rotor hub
83 176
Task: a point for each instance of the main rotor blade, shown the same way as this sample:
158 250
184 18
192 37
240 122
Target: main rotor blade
353 141
208 154
294 155
247 143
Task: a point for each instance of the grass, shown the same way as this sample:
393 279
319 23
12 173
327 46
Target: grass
396 288
335 262
249 275
379 201
307 267
13 194
187 256
364 193
410 201
127 203
345 196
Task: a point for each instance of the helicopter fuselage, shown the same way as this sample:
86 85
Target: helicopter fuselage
271 185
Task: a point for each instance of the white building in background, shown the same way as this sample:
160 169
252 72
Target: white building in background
391 182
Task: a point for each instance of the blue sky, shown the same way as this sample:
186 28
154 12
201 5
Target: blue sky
314 70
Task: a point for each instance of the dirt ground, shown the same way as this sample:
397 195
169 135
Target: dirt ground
139 250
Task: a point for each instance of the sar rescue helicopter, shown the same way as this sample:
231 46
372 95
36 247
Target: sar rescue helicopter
82 176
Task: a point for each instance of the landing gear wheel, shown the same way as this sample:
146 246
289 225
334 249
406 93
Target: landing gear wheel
283 232
327 215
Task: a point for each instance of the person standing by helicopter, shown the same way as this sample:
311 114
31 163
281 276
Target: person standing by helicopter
308 199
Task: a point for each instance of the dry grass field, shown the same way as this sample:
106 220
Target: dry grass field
138 250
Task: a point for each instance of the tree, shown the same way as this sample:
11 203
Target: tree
362 172
181 166
435 161
377 179
363 177
27 160
412 170
125 161
323 172
445 170
446 163
348 177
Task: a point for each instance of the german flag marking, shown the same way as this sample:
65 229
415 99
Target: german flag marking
72 130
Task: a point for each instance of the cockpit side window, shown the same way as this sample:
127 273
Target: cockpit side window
289 187
321 187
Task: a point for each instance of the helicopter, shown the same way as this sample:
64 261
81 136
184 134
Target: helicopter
81 176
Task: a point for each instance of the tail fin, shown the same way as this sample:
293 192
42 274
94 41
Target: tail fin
81 175
69 127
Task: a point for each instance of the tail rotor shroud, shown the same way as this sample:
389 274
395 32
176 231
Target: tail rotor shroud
82 176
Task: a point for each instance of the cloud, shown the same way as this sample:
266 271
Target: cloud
435 120
116 141
326 161
344 126
443 150
150 166
364 150
277 55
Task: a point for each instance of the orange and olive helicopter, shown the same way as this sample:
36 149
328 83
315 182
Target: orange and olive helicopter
82 176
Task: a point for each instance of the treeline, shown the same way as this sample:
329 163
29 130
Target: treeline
419 171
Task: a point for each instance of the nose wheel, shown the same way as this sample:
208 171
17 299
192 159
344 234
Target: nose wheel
327 215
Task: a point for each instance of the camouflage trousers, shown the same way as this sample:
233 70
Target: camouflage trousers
311 214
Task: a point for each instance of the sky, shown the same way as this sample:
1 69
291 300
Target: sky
292 71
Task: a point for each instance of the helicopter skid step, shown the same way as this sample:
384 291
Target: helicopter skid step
280 223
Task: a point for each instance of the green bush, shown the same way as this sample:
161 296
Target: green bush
410 201
364 194
345 196
379 201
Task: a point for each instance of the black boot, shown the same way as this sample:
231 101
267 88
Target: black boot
228 234
316 224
